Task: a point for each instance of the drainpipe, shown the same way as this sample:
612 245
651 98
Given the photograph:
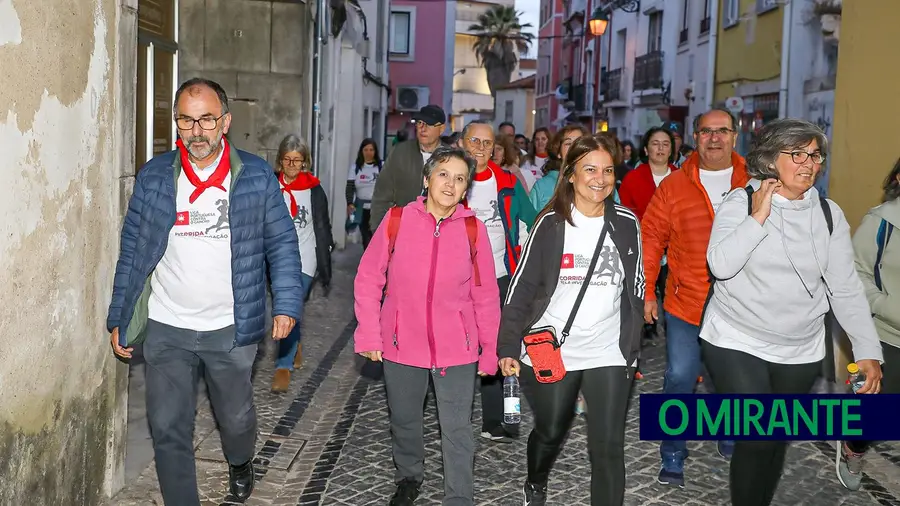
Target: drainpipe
711 56
785 59
319 33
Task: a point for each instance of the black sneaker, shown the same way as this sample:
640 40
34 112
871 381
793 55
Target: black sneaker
534 495
497 434
406 494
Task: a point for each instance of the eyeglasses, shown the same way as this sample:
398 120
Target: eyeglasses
486 144
708 132
422 124
293 161
800 157
206 122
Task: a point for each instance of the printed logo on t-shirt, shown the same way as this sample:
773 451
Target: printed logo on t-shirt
606 273
212 225
362 177
488 216
302 218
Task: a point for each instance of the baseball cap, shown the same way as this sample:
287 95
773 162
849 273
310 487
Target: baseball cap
431 115
675 127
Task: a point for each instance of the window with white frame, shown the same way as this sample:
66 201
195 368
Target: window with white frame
654 32
765 5
732 12
402 33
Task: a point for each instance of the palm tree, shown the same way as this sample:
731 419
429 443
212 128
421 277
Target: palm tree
499 39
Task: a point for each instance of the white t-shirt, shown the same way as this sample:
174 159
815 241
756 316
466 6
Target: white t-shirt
658 179
425 156
533 171
303 224
191 286
594 337
717 184
364 181
483 201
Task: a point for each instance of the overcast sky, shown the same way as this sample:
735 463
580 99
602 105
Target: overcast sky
530 10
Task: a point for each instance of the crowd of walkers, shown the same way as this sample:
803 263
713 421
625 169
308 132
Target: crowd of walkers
489 255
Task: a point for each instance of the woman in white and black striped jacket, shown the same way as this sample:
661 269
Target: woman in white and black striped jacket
603 345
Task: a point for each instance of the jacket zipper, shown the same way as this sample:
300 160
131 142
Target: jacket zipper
430 299
396 324
463 321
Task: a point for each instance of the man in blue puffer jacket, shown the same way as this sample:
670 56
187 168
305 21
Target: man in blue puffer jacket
191 285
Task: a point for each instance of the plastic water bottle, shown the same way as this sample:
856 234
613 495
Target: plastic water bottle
512 410
856 379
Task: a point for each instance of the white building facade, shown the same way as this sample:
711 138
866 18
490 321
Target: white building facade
695 59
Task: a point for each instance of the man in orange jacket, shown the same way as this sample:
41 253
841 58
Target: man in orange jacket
677 222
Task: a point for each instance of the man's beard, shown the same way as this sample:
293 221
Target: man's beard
199 152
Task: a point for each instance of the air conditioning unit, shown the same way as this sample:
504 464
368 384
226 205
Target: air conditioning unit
412 98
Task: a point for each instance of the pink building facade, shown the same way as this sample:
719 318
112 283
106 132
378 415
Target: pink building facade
549 62
420 56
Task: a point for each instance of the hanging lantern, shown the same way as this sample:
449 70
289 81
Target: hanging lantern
598 22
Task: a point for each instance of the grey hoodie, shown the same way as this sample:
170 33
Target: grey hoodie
885 303
770 278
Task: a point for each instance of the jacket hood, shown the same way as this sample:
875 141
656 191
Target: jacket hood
418 205
889 211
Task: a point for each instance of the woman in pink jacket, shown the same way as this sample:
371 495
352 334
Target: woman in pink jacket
438 322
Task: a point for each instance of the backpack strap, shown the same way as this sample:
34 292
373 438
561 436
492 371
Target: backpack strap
881 239
393 228
472 233
826 210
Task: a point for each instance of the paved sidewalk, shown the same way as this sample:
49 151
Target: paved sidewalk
327 441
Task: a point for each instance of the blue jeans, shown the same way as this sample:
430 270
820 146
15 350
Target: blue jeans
682 368
287 347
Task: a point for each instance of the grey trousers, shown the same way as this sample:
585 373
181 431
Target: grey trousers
173 358
455 392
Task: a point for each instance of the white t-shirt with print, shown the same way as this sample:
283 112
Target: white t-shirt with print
533 171
303 224
191 286
717 184
364 182
594 337
482 200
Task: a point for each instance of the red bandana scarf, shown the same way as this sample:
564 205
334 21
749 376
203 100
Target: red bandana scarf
304 181
215 180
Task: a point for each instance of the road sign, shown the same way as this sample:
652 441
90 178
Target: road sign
734 104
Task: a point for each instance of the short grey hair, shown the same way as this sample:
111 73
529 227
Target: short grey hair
781 135
443 154
290 143
472 123
699 117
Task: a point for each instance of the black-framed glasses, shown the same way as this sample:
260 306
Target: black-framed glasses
206 122
800 157
708 132
299 162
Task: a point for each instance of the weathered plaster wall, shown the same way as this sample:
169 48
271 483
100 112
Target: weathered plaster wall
61 149
256 50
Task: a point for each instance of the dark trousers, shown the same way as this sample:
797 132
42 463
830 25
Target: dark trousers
365 228
650 328
173 357
890 384
605 390
756 466
454 391
492 386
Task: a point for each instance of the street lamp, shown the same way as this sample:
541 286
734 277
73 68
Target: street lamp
598 23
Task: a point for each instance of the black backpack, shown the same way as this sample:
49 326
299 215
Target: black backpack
827 364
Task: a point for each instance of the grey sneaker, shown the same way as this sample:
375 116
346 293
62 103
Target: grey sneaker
848 466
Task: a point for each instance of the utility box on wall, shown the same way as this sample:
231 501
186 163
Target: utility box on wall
243 126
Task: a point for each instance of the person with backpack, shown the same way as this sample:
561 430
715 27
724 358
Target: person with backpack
780 256
432 263
877 247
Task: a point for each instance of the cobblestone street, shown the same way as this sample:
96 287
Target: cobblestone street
327 441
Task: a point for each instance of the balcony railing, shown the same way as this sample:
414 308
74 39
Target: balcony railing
576 95
704 25
648 71
683 36
612 89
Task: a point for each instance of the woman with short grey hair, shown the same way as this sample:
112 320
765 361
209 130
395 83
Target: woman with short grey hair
437 323
780 256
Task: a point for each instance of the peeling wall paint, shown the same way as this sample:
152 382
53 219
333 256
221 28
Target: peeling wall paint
60 393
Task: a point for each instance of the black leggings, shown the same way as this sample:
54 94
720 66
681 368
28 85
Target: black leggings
890 384
365 229
756 466
606 391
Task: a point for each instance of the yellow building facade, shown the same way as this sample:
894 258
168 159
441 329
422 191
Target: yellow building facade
748 62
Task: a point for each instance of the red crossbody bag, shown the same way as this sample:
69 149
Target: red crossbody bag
542 345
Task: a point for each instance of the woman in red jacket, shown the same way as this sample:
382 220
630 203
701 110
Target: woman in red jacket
639 184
